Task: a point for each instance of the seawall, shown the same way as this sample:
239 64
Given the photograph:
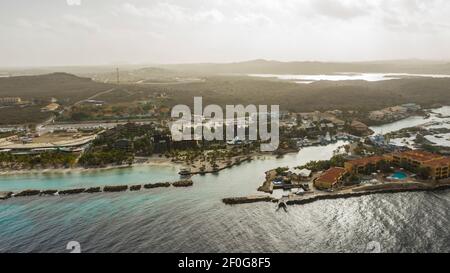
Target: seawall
307 199
106 189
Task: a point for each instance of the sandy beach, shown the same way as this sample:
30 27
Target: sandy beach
151 161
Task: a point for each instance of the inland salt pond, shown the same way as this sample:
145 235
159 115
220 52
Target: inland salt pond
194 219
370 77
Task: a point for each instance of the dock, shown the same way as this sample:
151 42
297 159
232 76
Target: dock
344 194
248 199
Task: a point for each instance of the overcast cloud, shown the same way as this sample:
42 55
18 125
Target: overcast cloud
88 32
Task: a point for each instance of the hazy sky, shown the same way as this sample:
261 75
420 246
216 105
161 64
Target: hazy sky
71 32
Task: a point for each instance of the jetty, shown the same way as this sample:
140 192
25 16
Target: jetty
72 191
135 188
27 193
248 199
93 190
106 189
157 185
344 194
5 195
48 192
183 183
115 188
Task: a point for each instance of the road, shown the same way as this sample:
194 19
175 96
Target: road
41 128
93 97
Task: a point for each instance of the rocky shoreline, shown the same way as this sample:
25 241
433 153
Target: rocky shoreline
106 189
307 199
248 199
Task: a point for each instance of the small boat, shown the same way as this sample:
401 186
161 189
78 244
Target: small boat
305 187
185 171
282 205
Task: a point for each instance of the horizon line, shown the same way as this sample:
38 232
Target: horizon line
374 61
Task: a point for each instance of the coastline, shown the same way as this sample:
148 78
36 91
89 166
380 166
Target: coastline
153 161
163 161
150 161
353 193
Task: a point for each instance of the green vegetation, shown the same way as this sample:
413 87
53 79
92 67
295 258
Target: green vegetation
26 115
430 148
281 170
7 134
105 157
119 146
347 95
360 96
276 67
45 160
67 88
322 165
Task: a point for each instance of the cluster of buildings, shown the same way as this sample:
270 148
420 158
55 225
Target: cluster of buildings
316 119
324 127
395 112
413 160
10 100
27 147
437 164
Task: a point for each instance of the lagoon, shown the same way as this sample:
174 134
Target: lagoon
370 77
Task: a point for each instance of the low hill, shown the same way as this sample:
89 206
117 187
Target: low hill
223 90
65 87
322 95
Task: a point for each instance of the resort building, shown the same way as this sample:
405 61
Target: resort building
10 100
359 126
439 165
364 165
440 168
51 107
330 178
414 159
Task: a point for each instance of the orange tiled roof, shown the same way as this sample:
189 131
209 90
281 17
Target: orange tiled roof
331 175
421 156
366 160
439 162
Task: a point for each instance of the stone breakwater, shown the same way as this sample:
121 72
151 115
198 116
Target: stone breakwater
248 199
357 192
106 189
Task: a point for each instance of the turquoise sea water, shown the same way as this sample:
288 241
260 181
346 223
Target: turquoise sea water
90 178
195 220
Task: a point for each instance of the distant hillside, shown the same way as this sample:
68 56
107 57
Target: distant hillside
318 96
276 67
65 87
141 75
223 90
